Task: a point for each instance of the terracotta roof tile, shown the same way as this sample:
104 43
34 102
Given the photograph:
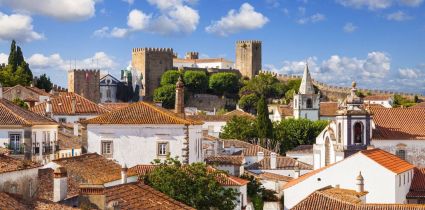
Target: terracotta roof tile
68 141
239 113
114 106
8 164
253 151
92 168
141 196
286 110
305 176
62 105
142 170
12 114
377 97
273 176
225 160
140 113
302 149
419 105
282 162
227 143
328 109
399 123
209 118
8 201
388 160
417 188
45 185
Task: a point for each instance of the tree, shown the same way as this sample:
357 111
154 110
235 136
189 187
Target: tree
194 185
264 85
196 81
416 99
43 82
224 82
166 95
17 70
170 77
20 103
242 128
249 103
264 124
400 101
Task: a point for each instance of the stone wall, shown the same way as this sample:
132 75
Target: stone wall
208 102
248 57
85 83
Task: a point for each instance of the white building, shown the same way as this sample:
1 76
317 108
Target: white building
69 108
142 132
303 153
306 101
385 177
108 89
383 100
217 63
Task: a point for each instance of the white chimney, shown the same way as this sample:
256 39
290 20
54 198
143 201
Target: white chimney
124 170
73 104
260 156
360 182
1 91
75 129
48 107
273 160
60 184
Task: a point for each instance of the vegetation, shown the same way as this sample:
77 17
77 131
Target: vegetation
44 83
224 83
264 124
249 103
192 184
196 81
17 71
242 128
257 193
165 94
20 103
170 77
400 101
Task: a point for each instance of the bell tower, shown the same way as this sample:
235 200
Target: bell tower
306 101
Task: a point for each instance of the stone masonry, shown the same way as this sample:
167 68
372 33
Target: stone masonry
85 83
248 57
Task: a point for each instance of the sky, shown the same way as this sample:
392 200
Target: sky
378 43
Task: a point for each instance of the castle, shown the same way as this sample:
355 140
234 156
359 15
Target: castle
248 58
85 83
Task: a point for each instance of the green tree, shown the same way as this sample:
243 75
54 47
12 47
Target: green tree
43 82
264 124
224 82
20 103
166 95
13 60
170 77
242 128
249 103
264 85
416 99
400 101
17 71
194 185
196 81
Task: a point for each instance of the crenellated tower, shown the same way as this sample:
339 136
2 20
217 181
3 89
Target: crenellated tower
248 57
85 82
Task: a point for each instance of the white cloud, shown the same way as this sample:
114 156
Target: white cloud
409 73
129 1
19 27
3 58
378 4
119 32
313 18
412 3
235 21
349 28
69 10
138 20
398 16
273 3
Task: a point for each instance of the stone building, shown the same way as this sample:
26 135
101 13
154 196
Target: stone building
151 63
85 83
248 57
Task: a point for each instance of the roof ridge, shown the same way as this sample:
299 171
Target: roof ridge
168 113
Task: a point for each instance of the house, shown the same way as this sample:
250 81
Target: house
122 134
25 133
16 202
69 108
234 165
306 102
386 101
271 181
386 177
30 94
18 176
108 86
69 145
327 111
303 153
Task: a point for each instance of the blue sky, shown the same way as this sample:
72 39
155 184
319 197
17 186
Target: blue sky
378 43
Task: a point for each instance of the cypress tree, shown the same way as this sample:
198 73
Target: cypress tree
12 61
264 124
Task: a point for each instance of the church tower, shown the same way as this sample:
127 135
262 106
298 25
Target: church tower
306 102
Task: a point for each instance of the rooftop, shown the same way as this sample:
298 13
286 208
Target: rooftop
225 160
68 141
377 97
202 60
307 149
12 114
388 160
8 201
417 188
282 162
114 106
227 143
141 113
9 164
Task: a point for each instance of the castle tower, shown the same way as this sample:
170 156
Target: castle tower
248 58
306 102
85 83
192 55
179 106
151 63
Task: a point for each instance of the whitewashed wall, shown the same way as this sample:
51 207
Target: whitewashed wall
415 149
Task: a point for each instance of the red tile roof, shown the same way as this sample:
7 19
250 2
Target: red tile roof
282 162
227 143
225 160
305 176
239 113
62 105
388 160
140 113
377 97
12 114
114 106
417 188
202 60
9 164
8 201
68 141
328 109
398 123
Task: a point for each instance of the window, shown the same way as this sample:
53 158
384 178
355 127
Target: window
309 103
162 149
62 120
401 153
358 133
210 128
339 132
106 147
15 142
404 179
108 93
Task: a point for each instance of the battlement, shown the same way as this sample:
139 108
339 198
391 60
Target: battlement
248 42
152 49
84 70
192 55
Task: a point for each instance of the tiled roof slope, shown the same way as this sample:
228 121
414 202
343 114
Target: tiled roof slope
62 105
210 118
328 108
36 90
45 185
141 196
305 176
225 160
239 113
398 123
15 202
331 199
12 114
377 97
114 106
92 168
281 163
140 113
68 141
388 160
306 149
417 188
8 164
227 143
253 151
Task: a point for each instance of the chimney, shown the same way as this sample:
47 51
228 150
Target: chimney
297 169
92 194
1 91
360 182
60 184
273 160
48 108
260 156
179 106
232 149
73 104
124 170
76 129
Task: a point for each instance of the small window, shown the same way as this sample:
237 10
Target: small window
62 120
401 153
309 103
107 148
15 142
162 149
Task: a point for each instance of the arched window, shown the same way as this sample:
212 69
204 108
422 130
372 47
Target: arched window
339 132
358 133
327 151
309 103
